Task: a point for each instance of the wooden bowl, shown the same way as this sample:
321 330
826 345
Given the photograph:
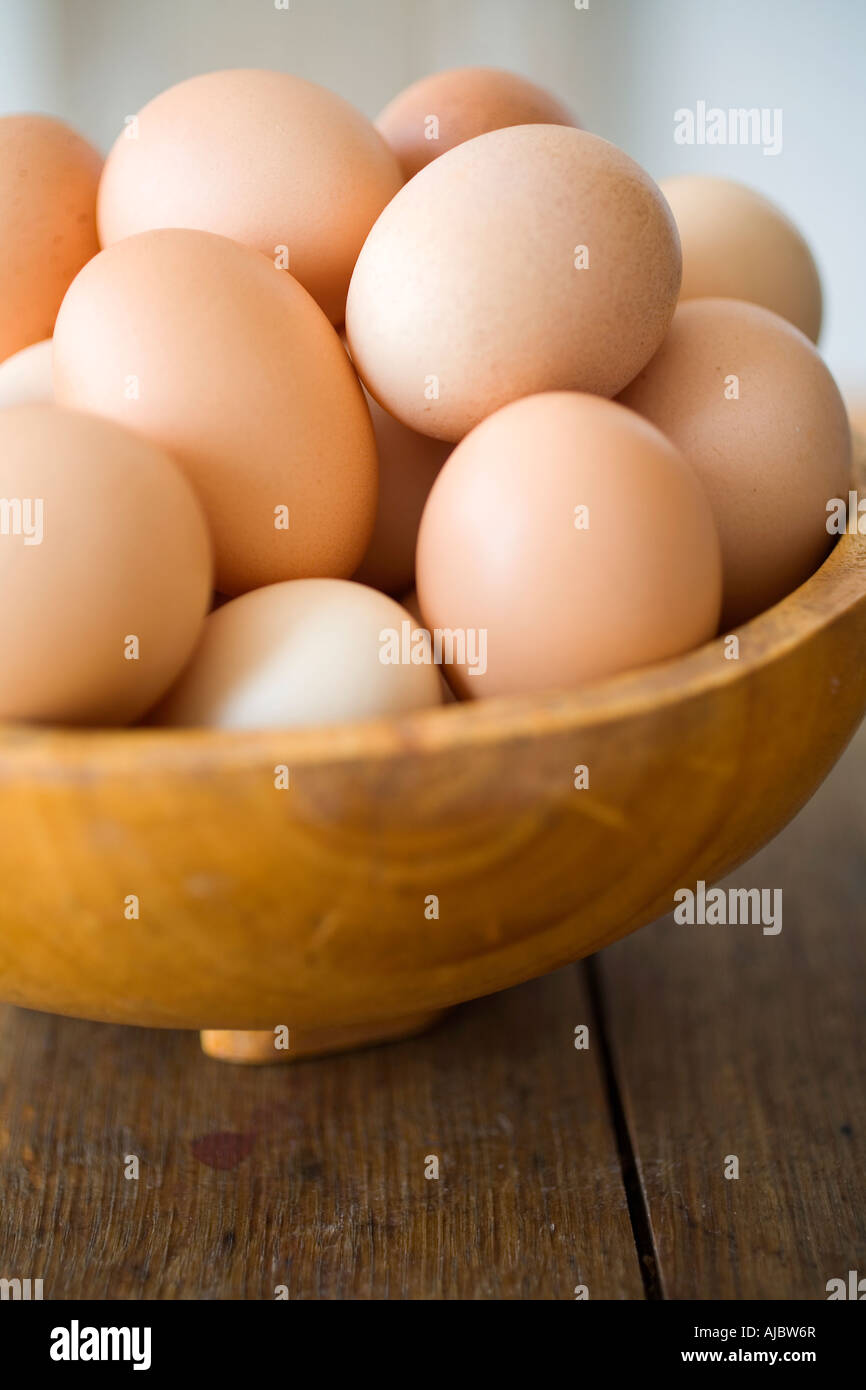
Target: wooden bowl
312 908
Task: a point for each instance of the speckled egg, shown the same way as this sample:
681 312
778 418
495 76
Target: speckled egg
266 158
755 411
530 259
201 345
447 108
48 181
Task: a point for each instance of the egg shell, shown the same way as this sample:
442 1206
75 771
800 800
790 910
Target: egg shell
447 108
300 653
466 294
203 346
118 549
263 157
410 603
770 457
500 553
48 181
408 465
25 377
738 245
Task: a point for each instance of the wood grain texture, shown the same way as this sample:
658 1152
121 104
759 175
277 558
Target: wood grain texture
305 907
313 1176
723 1041
726 1041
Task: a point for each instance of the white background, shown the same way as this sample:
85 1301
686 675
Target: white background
624 66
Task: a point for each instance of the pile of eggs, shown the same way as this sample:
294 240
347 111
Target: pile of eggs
271 366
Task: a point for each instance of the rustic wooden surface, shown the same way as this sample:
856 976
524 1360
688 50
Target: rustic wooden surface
558 1167
729 1042
313 1176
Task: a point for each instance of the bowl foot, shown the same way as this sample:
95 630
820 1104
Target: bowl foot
261 1048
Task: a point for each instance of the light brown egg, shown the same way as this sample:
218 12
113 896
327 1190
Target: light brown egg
408 465
105 569
447 108
530 259
410 603
566 540
301 653
48 182
25 377
753 408
738 245
855 404
275 162
201 345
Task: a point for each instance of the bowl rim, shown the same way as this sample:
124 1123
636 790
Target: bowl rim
835 588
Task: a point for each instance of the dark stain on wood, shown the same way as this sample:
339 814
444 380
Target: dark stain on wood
223 1150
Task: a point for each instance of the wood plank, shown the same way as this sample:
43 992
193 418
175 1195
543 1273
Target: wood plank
312 1176
726 1041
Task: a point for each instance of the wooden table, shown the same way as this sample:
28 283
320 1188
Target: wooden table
559 1167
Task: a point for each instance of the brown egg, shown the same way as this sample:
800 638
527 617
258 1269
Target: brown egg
565 540
408 465
48 182
25 377
749 402
266 158
739 245
530 259
855 404
410 603
201 345
447 108
301 653
105 569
